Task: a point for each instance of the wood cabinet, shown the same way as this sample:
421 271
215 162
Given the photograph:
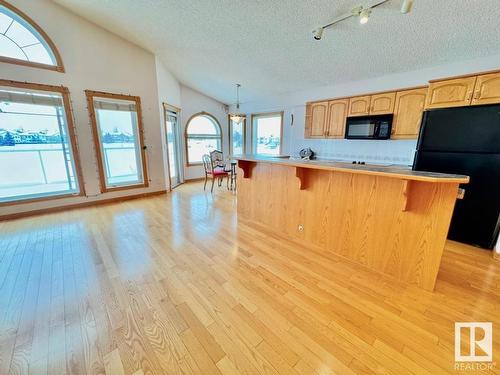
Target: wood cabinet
337 114
318 118
487 89
475 90
408 113
382 104
378 104
450 93
326 119
359 106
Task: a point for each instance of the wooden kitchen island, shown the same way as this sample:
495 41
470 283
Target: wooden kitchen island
390 220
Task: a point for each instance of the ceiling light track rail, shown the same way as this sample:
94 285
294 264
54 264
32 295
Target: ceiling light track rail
363 13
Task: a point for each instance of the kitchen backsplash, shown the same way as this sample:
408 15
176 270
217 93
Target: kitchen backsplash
382 151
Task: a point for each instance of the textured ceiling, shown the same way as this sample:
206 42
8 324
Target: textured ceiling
267 45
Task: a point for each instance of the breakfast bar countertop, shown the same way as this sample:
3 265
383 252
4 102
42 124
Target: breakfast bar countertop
386 171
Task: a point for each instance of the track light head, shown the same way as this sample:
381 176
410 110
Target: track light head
364 16
406 6
318 33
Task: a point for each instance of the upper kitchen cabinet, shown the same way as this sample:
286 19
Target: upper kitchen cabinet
378 104
487 89
337 113
382 104
450 93
359 106
408 113
316 118
327 118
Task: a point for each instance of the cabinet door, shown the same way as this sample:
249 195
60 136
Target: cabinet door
337 113
359 106
487 89
450 93
408 113
382 104
319 113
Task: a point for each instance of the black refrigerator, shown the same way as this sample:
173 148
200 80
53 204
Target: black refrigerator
466 140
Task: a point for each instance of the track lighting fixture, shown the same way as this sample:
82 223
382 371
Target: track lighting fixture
364 16
318 33
363 13
406 6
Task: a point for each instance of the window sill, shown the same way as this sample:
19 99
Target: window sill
125 187
41 199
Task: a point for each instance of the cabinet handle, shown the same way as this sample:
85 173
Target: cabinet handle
469 96
476 95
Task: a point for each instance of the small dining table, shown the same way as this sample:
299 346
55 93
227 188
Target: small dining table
229 166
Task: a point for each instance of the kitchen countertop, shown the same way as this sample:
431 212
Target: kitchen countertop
388 171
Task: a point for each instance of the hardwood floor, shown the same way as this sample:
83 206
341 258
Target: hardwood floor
174 284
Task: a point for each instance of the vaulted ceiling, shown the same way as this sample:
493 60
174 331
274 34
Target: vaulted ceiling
267 46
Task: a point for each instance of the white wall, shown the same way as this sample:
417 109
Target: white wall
392 151
98 60
169 91
192 103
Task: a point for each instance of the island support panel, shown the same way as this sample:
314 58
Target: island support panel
387 224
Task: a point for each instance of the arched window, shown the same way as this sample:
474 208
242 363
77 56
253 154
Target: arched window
203 134
23 42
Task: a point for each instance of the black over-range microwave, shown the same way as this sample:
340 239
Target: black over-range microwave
369 127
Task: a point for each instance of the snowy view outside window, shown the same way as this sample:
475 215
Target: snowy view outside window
266 137
119 141
36 159
237 137
203 135
19 40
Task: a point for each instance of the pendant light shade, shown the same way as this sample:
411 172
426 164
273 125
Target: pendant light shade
237 117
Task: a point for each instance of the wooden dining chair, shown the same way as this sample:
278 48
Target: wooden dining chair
212 170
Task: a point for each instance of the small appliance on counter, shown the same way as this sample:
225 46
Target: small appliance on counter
369 127
306 154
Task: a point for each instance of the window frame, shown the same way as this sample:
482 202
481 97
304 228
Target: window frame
186 137
230 128
59 67
253 130
90 94
168 107
68 111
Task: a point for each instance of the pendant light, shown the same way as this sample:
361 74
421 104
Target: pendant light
237 117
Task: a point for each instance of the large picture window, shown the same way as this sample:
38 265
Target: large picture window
37 146
237 136
118 135
23 42
267 133
203 134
